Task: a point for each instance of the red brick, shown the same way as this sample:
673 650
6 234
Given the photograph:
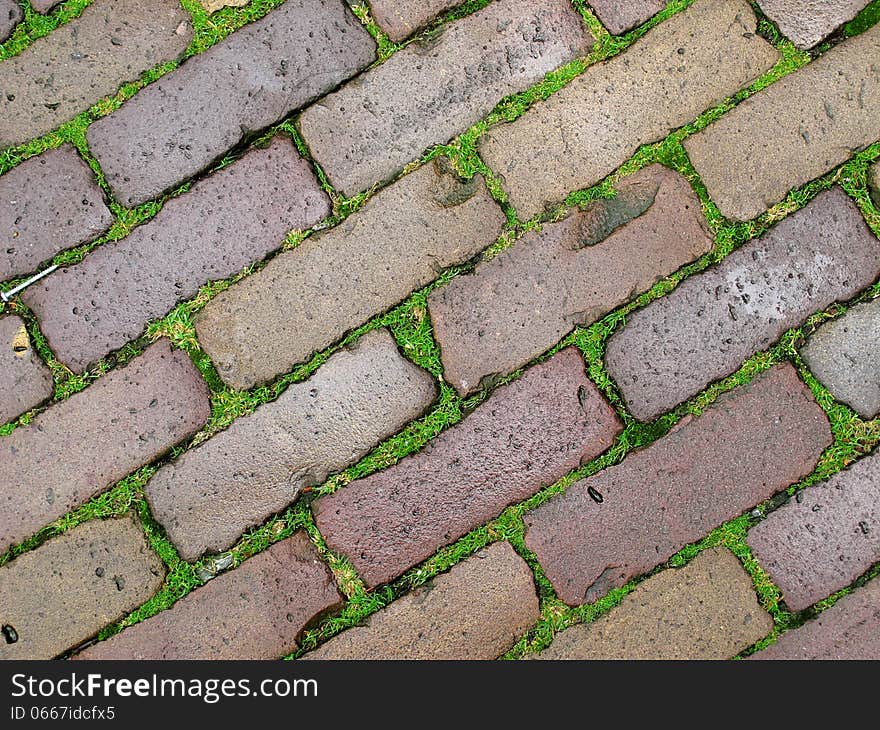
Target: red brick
400 19
25 381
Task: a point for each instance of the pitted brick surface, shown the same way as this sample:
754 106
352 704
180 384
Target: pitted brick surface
527 435
401 18
806 22
211 495
80 446
69 588
308 298
713 322
748 445
10 15
225 222
25 381
622 15
436 88
255 611
521 303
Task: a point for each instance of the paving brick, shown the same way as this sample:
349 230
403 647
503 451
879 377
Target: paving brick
850 629
48 203
10 15
64 592
586 130
252 79
225 222
874 183
622 15
793 131
212 6
256 611
80 446
400 19
308 298
843 354
705 610
211 495
80 62
807 23
25 381
527 435
44 6
825 538
476 611
521 303
436 88
713 322
751 443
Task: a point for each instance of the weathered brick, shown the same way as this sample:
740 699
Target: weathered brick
521 303
256 611
850 629
212 6
874 183
751 443
360 396
476 611
11 15
47 204
705 610
622 15
825 538
843 354
225 222
806 23
44 6
25 381
436 88
266 323
793 131
65 591
713 322
527 435
586 130
80 62
250 80
80 446
400 19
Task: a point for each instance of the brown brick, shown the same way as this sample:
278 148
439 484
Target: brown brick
80 62
436 88
583 132
25 381
825 538
250 80
807 23
527 435
793 131
476 611
61 594
427 221
622 15
705 610
400 19
751 443
521 303
255 611
257 467
225 222
47 204
10 16
80 446
212 6
713 322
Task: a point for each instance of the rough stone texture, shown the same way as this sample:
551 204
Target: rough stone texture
308 298
825 538
225 222
622 15
751 443
69 588
44 6
400 19
25 381
211 495
521 303
806 22
47 204
10 15
436 88
476 611
793 131
256 611
713 322
845 355
850 629
586 130
80 62
705 610
252 79
80 446
527 435
874 183
212 6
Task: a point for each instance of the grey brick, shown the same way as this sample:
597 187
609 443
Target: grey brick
400 19
622 15
874 183
806 22
25 381
44 6
10 15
